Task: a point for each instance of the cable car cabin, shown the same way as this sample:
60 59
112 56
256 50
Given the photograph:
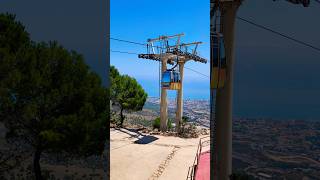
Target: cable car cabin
218 61
171 80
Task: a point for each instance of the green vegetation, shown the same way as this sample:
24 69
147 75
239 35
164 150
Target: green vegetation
185 119
49 98
126 93
156 123
140 121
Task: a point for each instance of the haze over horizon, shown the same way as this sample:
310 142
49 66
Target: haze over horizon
261 89
273 76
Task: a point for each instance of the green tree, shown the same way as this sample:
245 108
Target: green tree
13 37
126 93
51 100
12 33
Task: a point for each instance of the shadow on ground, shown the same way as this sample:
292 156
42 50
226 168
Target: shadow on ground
146 140
142 139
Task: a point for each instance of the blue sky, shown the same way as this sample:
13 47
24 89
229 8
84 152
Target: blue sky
139 20
78 25
274 77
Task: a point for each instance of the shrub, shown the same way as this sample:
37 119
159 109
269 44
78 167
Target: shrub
156 123
169 124
185 119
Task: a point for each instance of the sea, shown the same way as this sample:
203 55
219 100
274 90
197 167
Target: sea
191 90
253 107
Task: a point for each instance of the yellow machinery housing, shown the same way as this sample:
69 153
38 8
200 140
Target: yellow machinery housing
218 62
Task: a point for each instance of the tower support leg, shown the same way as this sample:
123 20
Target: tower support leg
163 102
179 111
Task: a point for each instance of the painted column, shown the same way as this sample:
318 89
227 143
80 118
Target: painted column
163 102
224 97
179 111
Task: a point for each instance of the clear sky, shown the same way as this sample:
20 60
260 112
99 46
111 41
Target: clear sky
274 77
139 20
79 25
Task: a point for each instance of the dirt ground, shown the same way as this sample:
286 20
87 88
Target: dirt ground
137 156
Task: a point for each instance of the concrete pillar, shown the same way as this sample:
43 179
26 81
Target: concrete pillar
179 111
223 111
163 102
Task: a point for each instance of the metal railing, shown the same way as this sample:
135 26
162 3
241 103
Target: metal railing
204 141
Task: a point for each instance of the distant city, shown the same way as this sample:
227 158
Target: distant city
264 148
197 111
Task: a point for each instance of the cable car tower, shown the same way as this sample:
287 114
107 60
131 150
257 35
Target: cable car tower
159 49
222 28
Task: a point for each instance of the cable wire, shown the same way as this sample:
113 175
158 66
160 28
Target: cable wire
125 52
278 33
197 72
137 43
121 40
